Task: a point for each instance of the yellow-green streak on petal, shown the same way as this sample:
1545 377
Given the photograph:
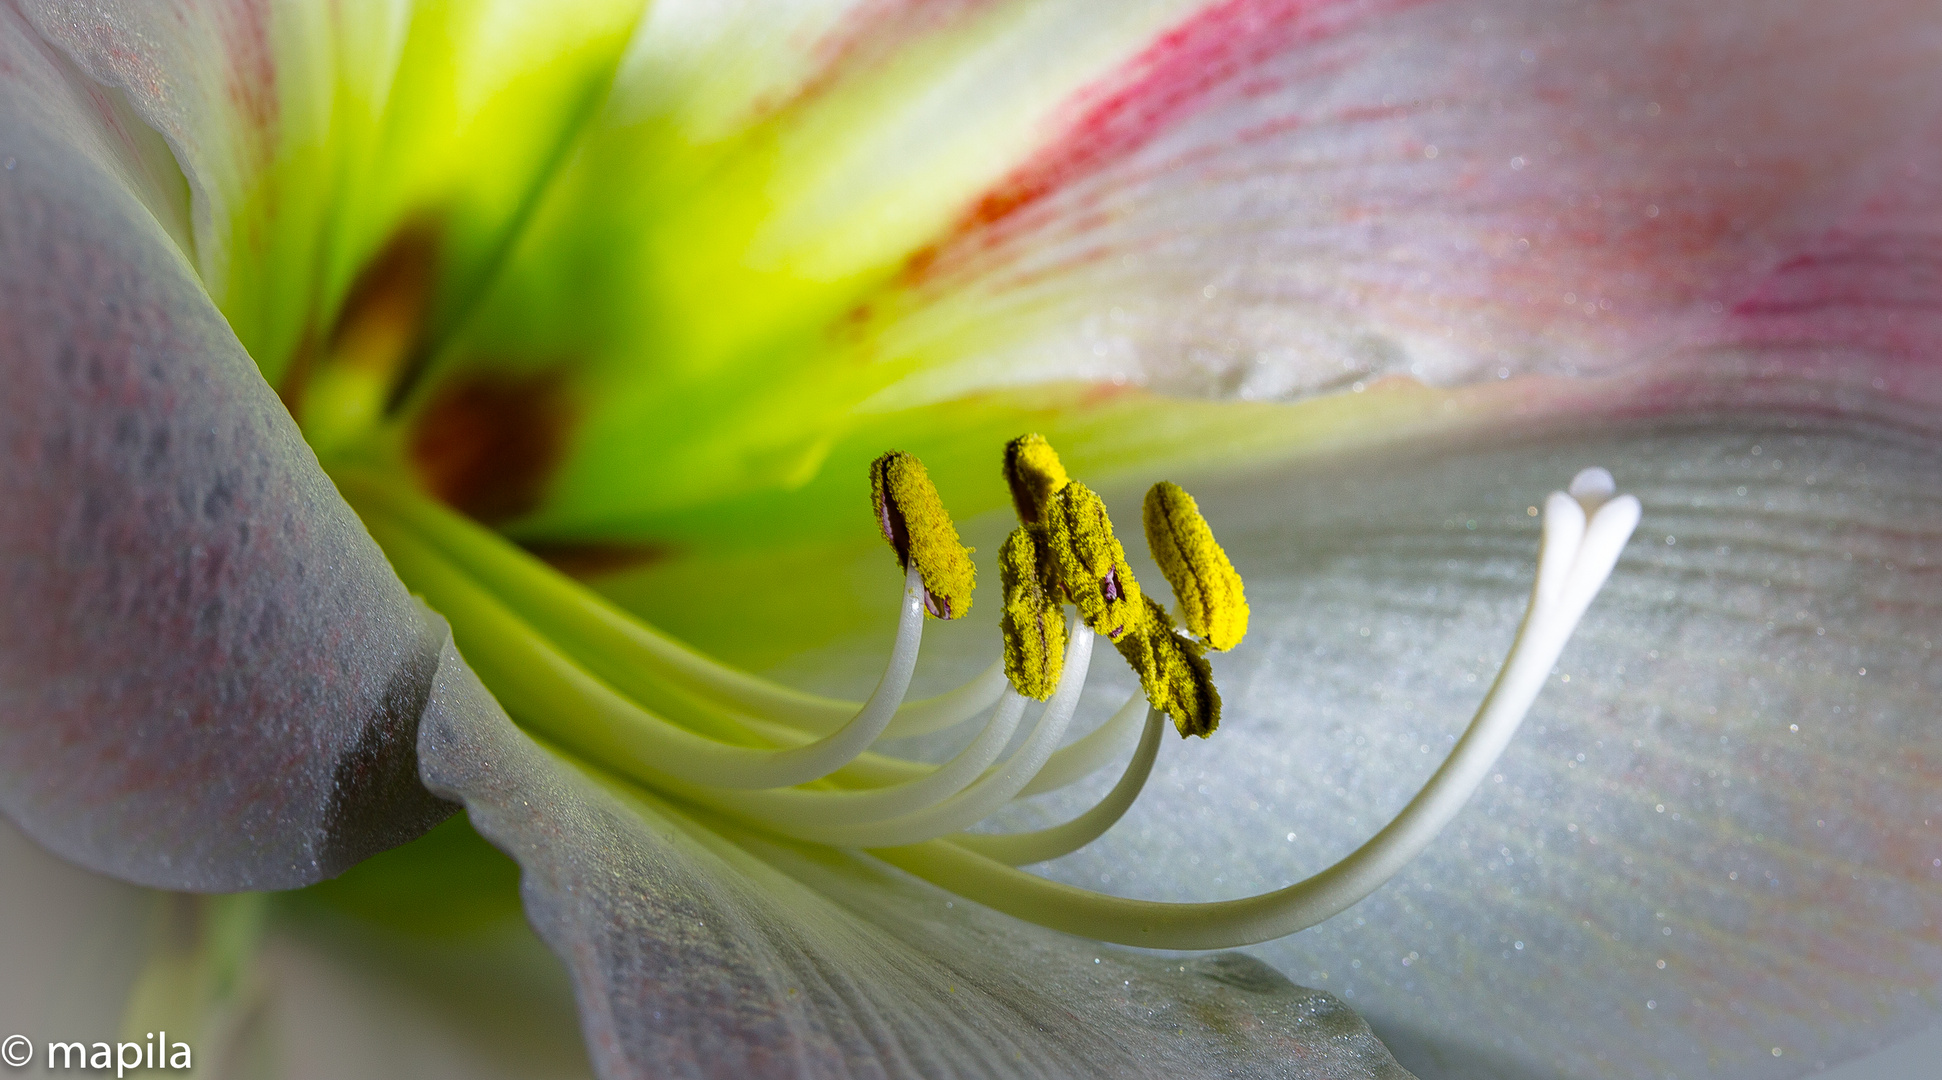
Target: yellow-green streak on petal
1174 674
1033 472
1211 597
1033 623
917 527
1091 563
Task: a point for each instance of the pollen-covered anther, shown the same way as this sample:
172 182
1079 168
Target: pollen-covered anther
1091 564
1033 623
1034 473
1173 672
915 524
1212 601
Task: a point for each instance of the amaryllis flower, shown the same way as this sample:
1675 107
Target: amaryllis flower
600 312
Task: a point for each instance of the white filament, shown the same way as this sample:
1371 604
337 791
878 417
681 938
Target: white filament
1090 753
994 789
1017 849
801 764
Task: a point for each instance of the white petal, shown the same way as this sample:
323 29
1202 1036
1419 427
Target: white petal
1738 778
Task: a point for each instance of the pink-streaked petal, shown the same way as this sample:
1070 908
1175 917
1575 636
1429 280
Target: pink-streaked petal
209 677
1449 193
696 956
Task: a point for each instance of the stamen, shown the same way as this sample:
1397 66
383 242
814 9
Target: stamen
1212 601
1091 565
917 528
949 709
1575 559
1090 569
1033 471
582 673
1173 672
1033 624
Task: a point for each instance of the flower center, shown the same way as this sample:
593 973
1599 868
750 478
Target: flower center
605 688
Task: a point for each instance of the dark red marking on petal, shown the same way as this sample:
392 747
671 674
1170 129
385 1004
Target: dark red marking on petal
592 559
251 81
1170 80
488 443
1862 301
380 325
1880 288
1104 393
384 311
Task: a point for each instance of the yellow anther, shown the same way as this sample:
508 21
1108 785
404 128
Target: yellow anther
1034 472
918 529
1212 601
1174 674
1034 622
1091 566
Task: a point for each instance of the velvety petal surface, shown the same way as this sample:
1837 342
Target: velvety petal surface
209 677
700 953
